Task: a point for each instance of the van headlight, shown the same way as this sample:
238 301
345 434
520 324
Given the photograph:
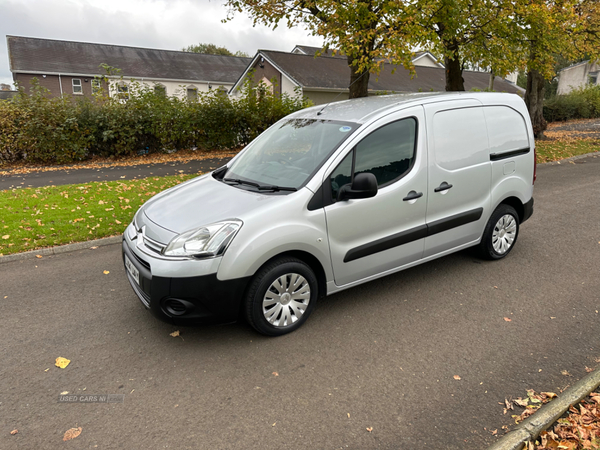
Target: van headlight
204 242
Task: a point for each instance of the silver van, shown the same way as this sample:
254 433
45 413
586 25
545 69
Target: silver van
331 197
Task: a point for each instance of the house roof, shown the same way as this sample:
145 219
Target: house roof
332 74
308 50
48 56
312 51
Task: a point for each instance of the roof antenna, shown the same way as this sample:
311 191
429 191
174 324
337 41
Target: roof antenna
336 97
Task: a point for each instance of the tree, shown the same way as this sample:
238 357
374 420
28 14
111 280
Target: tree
368 32
569 28
212 49
470 33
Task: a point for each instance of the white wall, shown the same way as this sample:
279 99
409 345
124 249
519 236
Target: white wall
173 88
576 76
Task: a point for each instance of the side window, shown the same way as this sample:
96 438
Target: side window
388 153
341 175
506 128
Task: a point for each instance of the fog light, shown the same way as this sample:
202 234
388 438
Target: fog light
177 307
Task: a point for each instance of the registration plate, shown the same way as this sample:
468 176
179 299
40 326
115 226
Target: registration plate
135 274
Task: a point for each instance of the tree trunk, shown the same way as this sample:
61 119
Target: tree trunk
454 78
492 76
534 99
359 81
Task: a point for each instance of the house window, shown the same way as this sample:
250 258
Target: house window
266 85
593 79
160 90
77 88
123 91
96 86
192 93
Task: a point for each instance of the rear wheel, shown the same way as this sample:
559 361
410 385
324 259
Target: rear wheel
500 233
281 296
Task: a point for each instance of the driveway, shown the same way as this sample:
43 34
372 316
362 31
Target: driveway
375 367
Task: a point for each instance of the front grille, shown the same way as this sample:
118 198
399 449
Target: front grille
153 245
144 298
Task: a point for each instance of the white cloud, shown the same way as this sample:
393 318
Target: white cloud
165 24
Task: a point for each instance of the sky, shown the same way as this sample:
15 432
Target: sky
161 24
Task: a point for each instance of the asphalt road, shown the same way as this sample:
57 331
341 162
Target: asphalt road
383 355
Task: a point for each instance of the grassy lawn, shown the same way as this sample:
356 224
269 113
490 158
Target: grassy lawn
33 218
560 149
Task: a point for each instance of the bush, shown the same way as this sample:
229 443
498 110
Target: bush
63 129
581 103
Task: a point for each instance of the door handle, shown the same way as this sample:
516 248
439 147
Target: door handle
442 187
412 195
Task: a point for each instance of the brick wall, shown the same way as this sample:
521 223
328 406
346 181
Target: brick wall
51 82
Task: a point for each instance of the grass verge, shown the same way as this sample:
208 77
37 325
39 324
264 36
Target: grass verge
560 149
34 218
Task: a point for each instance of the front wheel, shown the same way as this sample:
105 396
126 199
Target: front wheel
281 296
500 233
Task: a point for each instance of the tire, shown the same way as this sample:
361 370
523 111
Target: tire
281 296
500 234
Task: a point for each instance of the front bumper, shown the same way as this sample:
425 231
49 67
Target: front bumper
188 300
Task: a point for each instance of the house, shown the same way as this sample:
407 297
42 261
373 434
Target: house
324 79
577 76
419 59
74 68
7 95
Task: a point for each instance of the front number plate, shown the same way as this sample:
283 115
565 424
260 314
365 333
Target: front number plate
135 274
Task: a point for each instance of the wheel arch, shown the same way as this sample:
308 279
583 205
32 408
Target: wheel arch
516 203
310 260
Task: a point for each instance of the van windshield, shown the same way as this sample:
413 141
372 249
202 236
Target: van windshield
288 153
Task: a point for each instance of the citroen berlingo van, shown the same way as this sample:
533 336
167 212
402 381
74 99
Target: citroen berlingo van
331 197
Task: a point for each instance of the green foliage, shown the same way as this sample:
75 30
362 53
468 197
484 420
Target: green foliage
212 49
582 103
62 129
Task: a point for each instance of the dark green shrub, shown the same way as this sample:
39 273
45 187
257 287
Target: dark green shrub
581 103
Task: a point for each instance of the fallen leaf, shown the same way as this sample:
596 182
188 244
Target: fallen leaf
106 272
6 236
38 256
549 394
521 402
495 432
13 432
72 434
62 362
456 377
348 415
64 392
588 369
274 424
275 374
93 248
506 319
369 429
175 333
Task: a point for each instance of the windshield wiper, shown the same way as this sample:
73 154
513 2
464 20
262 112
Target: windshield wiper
238 181
276 188
260 187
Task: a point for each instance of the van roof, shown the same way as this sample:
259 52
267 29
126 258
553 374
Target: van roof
360 110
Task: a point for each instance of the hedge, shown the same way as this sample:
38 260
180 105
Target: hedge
581 103
38 128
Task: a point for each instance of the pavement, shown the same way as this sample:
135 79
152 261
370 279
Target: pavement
58 176
374 367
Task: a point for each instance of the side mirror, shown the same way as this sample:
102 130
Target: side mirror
363 186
